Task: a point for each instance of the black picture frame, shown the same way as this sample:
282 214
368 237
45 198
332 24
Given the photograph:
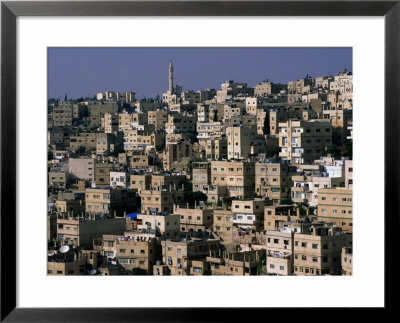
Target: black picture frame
10 10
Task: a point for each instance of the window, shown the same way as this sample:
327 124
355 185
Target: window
122 250
303 257
325 246
304 244
276 240
272 266
296 243
315 259
315 246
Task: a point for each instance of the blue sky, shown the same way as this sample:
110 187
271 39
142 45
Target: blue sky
82 72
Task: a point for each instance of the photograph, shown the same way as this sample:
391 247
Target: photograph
200 161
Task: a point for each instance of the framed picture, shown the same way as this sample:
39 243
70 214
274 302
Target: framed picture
25 39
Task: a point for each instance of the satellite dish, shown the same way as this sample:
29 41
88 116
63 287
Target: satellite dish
93 272
64 249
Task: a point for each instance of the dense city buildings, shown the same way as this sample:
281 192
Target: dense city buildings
240 180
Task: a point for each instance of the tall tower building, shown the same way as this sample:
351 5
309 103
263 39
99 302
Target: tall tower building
171 78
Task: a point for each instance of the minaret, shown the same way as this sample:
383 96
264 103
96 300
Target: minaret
171 78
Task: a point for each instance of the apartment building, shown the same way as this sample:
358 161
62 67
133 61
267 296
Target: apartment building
62 115
81 169
166 180
348 171
276 215
238 263
119 179
140 181
240 140
336 205
80 231
179 254
319 253
273 180
159 200
72 263
177 155
279 252
85 139
237 176
102 174
59 178
302 142
132 250
347 261
208 130
216 148
110 202
167 225
223 224
248 213
180 123
108 142
110 123
306 187
158 118
201 174
194 219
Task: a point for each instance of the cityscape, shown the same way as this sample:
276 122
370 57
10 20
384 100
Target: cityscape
238 180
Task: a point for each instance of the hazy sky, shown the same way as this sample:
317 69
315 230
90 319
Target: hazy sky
83 72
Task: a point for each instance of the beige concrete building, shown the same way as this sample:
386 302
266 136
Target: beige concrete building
194 219
273 180
131 250
158 118
110 123
110 201
336 205
140 181
178 255
348 170
172 180
241 263
239 141
302 142
223 225
177 155
248 213
262 89
276 215
80 231
216 148
160 200
102 174
62 115
119 179
72 263
306 187
237 176
85 139
81 169
201 173
167 225
347 261
319 253
180 123
280 257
